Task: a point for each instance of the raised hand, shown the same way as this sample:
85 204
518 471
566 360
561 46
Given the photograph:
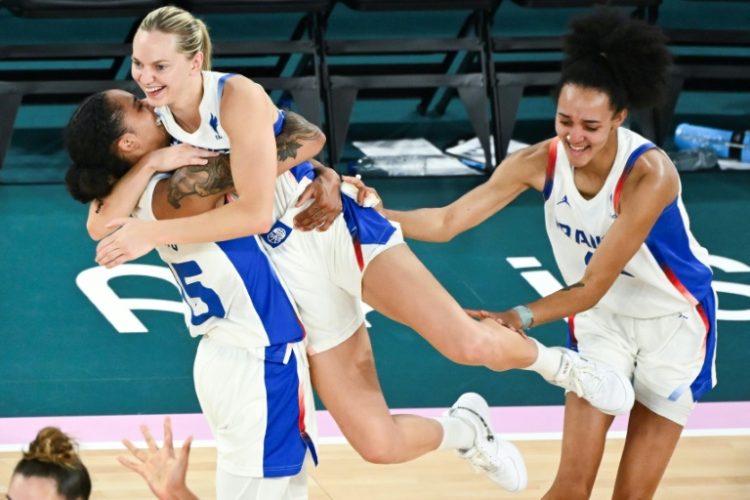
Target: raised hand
163 470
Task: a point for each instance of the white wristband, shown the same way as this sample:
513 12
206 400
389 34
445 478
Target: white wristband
527 317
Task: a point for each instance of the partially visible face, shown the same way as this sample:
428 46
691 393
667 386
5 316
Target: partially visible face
159 68
32 488
138 118
584 122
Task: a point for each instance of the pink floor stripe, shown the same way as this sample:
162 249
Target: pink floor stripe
518 419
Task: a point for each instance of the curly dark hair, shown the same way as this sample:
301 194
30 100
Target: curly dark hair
625 58
90 138
53 455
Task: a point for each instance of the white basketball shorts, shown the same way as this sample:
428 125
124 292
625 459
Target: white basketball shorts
259 406
671 359
323 270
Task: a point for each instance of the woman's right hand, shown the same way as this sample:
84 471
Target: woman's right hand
173 157
366 196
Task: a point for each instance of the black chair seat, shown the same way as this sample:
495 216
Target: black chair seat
81 8
421 4
245 6
587 3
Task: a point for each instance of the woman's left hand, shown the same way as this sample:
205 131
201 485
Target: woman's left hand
326 191
130 239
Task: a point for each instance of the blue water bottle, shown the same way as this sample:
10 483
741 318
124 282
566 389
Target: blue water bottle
726 143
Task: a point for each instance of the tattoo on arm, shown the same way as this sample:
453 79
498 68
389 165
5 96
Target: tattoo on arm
574 285
201 180
296 129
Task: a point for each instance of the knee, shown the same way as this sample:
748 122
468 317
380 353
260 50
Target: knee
378 455
475 350
377 448
467 349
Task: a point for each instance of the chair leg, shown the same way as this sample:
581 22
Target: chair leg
665 115
342 104
308 103
448 61
656 123
474 100
10 101
509 98
450 93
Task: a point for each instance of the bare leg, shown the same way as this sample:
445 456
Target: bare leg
584 435
649 445
347 382
398 285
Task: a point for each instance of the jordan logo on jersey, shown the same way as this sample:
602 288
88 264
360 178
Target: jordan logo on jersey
278 234
214 123
564 201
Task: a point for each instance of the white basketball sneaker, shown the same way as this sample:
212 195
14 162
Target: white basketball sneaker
605 388
497 458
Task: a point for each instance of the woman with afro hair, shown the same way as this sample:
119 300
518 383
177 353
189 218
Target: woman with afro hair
638 294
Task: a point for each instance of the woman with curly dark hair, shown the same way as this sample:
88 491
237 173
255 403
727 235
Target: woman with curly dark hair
638 294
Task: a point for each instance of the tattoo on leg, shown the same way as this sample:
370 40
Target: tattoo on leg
201 180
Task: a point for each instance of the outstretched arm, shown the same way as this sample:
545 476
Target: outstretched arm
652 185
513 176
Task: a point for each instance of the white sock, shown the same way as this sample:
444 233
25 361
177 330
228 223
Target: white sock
547 362
457 434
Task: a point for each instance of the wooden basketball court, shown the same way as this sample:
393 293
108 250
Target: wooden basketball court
715 468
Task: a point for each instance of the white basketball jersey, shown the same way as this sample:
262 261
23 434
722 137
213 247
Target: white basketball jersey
210 135
669 273
232 289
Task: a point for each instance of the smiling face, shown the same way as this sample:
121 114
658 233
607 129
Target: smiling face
160 69
585 123
139 122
